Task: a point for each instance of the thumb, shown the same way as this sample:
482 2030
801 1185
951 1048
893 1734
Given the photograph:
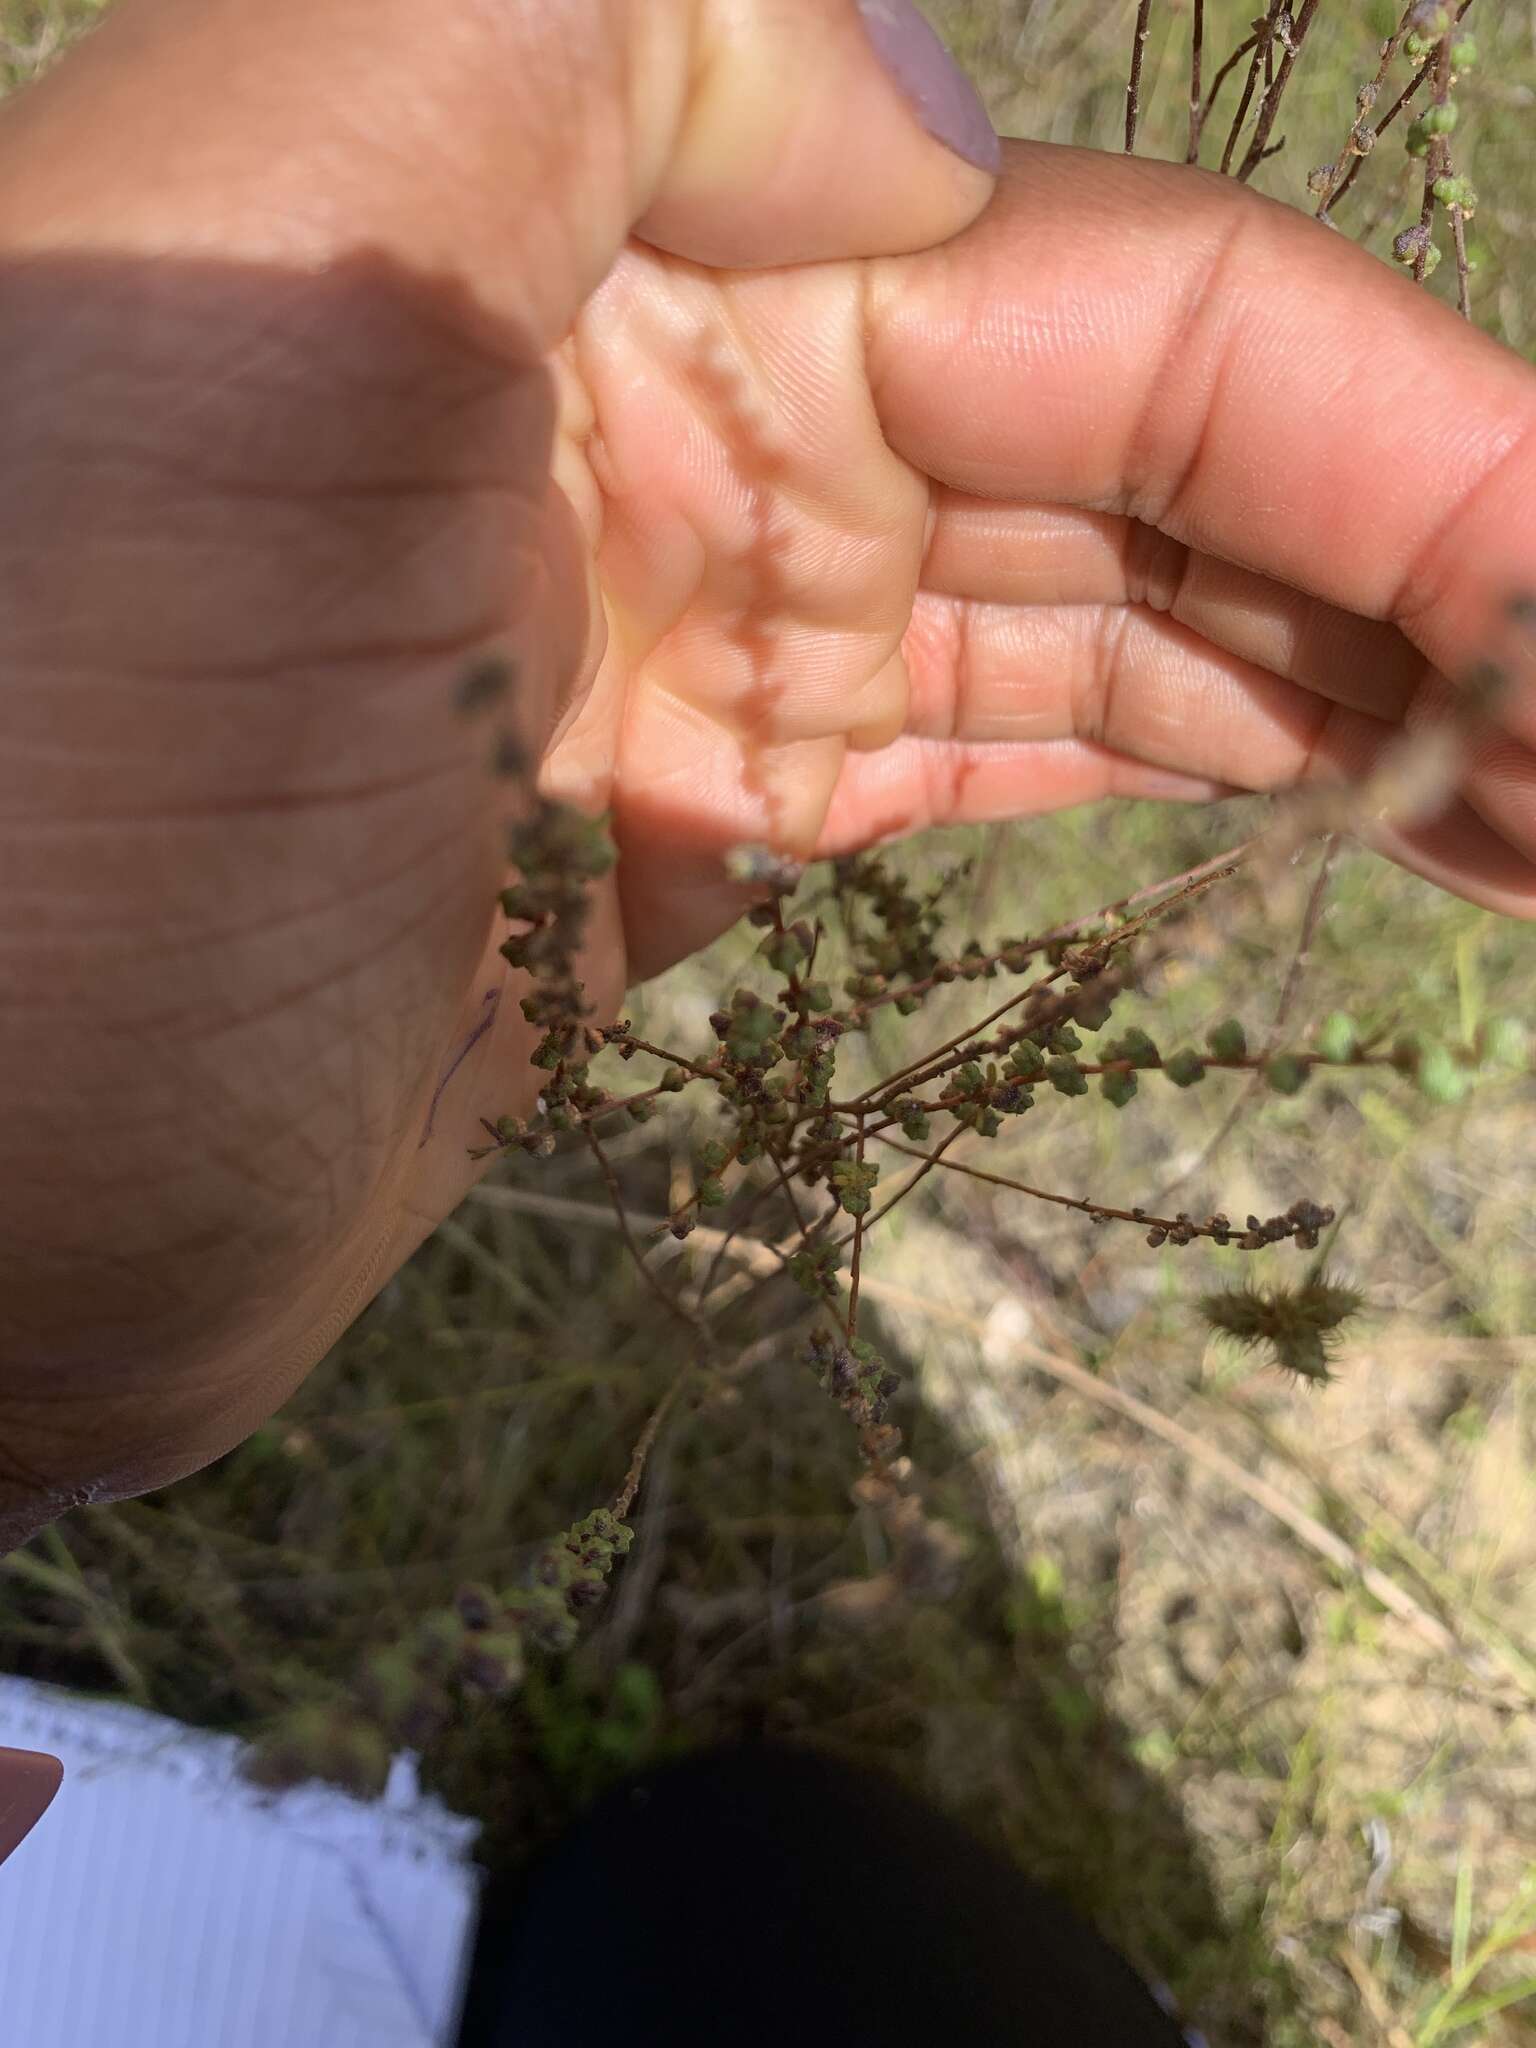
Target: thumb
512 146
822 131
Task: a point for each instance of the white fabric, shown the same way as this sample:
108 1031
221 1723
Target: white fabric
162 1903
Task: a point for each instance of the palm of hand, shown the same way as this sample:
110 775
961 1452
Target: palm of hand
951 538
996 529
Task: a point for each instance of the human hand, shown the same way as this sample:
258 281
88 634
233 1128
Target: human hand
841 541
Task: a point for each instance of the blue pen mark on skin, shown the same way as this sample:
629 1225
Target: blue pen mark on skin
490 1003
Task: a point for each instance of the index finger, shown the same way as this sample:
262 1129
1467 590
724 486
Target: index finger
1143 338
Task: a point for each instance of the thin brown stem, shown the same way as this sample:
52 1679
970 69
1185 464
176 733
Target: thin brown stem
1103 1212
738 1223
1073 928
856 1257
1182 887
1437 164
1269 107
1133 89
920 1072
1361 140
1222 75
1255 63
1312 917
632 1244
788 1188
704 1071
1463 279
624 1499
1196 54
930 1161
1250 1063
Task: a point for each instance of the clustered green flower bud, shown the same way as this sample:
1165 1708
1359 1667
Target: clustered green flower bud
854 1374
1066 1076
915 1126
853 1181
1133 1045
1227 1040
1184 1068
1436 120
1287 1073
559 853
1026 1060
814 1270
403 1694
1117 1086
784 950
904 949
1456 191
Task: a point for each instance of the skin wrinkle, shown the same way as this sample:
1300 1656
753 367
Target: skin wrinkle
1093 719
275 804
1162 567
440 908
294 916
1401 610
964 679
277 672
1208 283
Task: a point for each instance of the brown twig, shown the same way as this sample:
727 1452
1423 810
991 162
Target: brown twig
1071 929
1133 88
624 1499
1463 278
1224 72
1291 37
1196 54
1261 41
1359 143
1427 213
1184 1228
1179 890
930 1161
664 1295
857 1254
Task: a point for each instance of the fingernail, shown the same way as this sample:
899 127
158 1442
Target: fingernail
941 95
28 1781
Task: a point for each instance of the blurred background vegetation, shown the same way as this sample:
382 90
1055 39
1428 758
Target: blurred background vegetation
1309 1809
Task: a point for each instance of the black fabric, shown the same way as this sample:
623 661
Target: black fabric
772 1896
